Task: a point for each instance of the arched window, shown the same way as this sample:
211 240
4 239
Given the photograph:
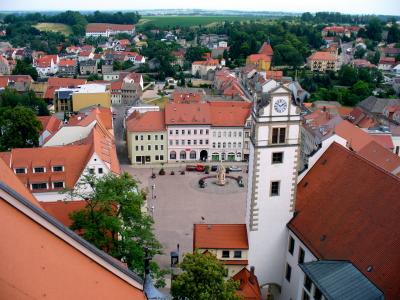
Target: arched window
223 145
182 155
172 155
192 154
229 144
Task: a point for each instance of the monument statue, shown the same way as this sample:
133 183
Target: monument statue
221 175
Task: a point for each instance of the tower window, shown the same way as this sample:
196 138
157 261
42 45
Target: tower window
278 135
301 255
277 157
288 273
275 185
291 245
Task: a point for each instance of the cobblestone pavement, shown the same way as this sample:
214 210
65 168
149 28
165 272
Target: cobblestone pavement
179 203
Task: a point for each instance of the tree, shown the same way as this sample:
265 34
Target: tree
393 33
360 52
203 279
195 53
374 59
11 98
24 68
112 220
19 128
374 29
347 75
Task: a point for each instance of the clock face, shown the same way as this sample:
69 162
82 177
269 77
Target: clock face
280 105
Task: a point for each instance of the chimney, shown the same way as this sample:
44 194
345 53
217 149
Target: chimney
252 278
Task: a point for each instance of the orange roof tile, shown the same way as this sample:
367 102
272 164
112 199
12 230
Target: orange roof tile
347 208
151 121
220 236
192 113
186 97
50 123
249 288
355 137
229 113
208 62
321 55
254 58
381 156
65 82
61 210
266 49
67 63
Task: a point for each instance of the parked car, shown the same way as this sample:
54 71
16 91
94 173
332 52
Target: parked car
234 169
198 168
214 168
190 168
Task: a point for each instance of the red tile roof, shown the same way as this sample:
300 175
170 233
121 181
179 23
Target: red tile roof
45 61
54 83
321 55
220 236
186 97
208 62
229 113
249 288
103 27
255 58
381 156
266 49
61 210
193 113
151 121
387 60
50 123
384 140
348 208
67 63
276 75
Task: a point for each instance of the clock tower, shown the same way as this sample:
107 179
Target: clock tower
274 156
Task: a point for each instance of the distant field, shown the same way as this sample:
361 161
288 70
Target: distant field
58 27
188 21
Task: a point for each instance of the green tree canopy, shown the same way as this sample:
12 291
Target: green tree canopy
24 68
374 29
19 128
10 98
195 53
393 33
113 221
203 279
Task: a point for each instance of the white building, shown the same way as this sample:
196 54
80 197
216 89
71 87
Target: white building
107 30
227 143
274 155
201 68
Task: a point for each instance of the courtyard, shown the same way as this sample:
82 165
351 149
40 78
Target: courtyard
179 203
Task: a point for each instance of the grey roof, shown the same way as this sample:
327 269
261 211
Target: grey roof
90 247
376 105
88 63
341 280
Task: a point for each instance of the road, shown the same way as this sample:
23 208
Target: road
344 57
119 133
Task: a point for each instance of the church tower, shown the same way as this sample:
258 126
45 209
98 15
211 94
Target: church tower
274 155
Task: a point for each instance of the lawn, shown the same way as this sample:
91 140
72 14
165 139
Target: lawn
189 21
57 27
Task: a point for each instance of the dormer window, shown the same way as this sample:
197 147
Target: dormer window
58 168
39 170
20 170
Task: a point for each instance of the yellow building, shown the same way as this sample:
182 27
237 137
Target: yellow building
91 95
261 61
227 242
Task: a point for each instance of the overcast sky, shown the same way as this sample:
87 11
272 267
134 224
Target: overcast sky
387 7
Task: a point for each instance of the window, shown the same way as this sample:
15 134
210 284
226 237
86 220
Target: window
194 142
234 134
100 170
301 255
224 145
192 155
149 137
219 145
183 131
307 283
277 157
148 159
177 131
58 184
224 133
275 188
20 170
214 134
201 142
156 157
182 142
39 186
291 245
138 159
156 147
206 131
229 134
156 137
171 142
142 148
172 155
136 137
201 131
229 145
240 134
141 137
161 157
225 253
189 131
237 254
137 148
161 147
239 145
171 132
288 273
206 142
195 131
246 135
213 144
305 296
149 147
38 170
278 135
91 171
177 142
162 137
182 155
317 294
188 142
219 133
234 144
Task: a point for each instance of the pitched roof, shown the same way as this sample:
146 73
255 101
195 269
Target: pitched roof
45 61
61 210
208 62
65 82
229 113
249 289
53 247
186 97
381 156
266 49
67 63
322 55
72 157
151 121
254 58
50 123
347 208
220 236
192 113
341 280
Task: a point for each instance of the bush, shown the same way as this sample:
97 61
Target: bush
162 172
